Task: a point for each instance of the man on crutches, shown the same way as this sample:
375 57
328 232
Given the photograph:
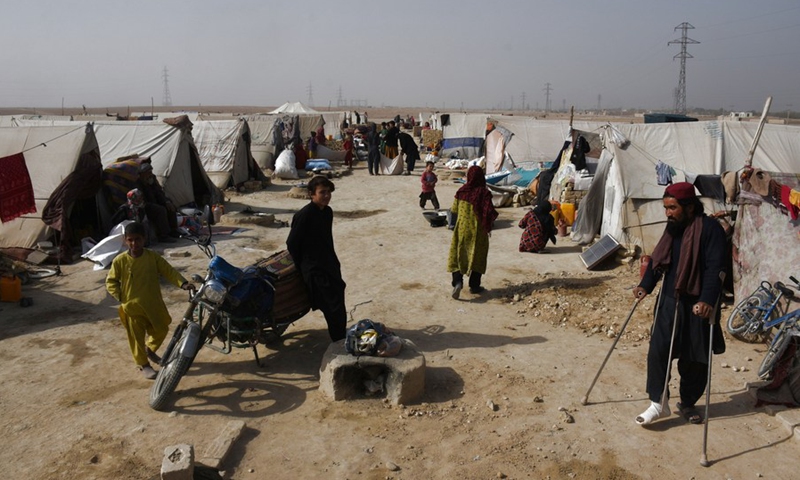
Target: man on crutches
690 257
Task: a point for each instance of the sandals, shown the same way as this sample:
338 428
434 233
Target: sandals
691 414
653 413
457 290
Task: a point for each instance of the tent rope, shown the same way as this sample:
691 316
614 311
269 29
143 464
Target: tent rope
44 144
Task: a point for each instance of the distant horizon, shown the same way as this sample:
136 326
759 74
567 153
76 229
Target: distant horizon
443 55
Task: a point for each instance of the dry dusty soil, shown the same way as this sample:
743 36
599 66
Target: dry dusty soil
506 370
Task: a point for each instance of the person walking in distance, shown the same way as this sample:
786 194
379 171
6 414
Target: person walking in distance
689 256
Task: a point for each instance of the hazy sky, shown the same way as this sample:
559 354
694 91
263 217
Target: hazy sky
438 53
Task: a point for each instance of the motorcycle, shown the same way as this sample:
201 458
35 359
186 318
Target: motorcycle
232 308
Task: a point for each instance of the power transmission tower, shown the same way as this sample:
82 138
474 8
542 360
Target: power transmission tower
339 99
166 99
310 91
599 98
523 101
680 93
547 91
564 104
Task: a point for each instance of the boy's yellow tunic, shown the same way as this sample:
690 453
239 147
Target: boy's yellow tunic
135 283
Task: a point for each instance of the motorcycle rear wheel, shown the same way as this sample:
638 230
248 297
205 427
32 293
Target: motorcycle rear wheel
175 367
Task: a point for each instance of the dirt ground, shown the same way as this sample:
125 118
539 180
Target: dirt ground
506 370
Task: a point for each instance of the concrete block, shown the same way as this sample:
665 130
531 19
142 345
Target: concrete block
773 410
178 462
790 418
344 376
215 454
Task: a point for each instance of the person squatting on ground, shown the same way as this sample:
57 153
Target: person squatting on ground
470 244
690 256
160 210
134 281
428 181
539 228
310 244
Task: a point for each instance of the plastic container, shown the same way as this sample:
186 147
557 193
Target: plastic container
568 210
10 289
217 212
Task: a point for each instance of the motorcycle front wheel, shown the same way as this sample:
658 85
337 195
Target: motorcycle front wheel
174 368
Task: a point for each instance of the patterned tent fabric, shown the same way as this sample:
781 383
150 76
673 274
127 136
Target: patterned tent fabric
119 178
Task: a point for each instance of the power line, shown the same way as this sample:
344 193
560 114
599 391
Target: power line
680 92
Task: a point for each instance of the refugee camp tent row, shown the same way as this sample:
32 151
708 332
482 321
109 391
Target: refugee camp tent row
270 132
175 159
65 175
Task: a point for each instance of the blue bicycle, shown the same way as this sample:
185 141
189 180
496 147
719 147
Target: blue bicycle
746 321
759 313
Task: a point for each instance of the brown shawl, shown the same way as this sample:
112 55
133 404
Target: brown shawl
687 277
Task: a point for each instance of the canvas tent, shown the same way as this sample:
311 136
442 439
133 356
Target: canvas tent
224 148
174 156
66 176
463 134
624 199
270 132
294 108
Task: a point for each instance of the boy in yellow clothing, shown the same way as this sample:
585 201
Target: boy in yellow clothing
134 282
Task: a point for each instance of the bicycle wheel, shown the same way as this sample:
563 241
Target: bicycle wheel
776 349
745 321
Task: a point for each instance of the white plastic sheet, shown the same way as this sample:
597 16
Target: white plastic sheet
108 248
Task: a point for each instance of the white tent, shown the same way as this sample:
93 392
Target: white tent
294 107
174 156
224 147
68 149
269 132
463 134
626 185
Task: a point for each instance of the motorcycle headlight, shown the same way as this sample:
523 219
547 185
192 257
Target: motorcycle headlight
214 291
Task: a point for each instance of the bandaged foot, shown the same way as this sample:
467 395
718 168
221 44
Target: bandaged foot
653 413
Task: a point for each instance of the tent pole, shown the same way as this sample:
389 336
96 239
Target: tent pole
748 162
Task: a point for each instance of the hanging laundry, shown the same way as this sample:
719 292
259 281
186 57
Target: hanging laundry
16 189
794 198
664 173
710 186
786 201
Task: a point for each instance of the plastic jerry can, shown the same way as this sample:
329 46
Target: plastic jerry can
10 289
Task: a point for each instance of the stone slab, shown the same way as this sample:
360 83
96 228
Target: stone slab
215 453
178 462
790 418
343 376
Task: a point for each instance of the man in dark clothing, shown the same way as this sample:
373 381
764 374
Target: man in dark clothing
690 256
410 150
159 208
373 150
310 243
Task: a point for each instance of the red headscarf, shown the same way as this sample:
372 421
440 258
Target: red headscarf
476 193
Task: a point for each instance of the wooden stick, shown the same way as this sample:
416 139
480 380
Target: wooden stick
571 115
748 162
